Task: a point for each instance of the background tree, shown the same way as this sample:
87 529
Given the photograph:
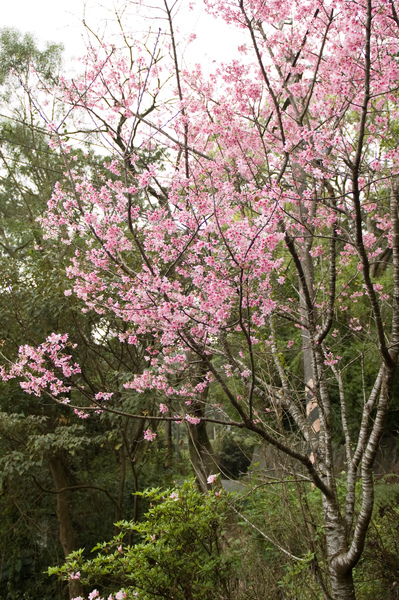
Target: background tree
64 480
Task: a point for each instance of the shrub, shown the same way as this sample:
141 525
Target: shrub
179 551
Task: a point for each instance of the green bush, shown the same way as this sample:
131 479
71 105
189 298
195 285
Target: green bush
179 551
267 544
377 575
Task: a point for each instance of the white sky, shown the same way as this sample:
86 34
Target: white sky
61 21
49 20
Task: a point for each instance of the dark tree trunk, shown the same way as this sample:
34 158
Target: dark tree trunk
201 451
169 444
67 535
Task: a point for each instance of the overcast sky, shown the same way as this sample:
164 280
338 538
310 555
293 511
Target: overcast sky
61 21
50 20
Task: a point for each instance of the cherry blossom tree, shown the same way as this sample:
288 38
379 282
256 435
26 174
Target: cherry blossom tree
267 227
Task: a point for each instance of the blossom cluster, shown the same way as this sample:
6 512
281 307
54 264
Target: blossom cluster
38 367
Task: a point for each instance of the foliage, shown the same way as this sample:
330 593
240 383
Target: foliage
252 545
378 574
281 536
179 551
100 459
267 226
19 52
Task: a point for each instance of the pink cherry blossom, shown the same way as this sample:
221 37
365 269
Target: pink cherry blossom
262 227
192 420
75 575
149 436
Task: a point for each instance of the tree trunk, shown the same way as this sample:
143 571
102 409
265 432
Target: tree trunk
67 536
122 479
341 579
169 445
342 587
201 451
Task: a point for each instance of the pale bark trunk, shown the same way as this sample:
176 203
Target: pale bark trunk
340 577
342 587
318 416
